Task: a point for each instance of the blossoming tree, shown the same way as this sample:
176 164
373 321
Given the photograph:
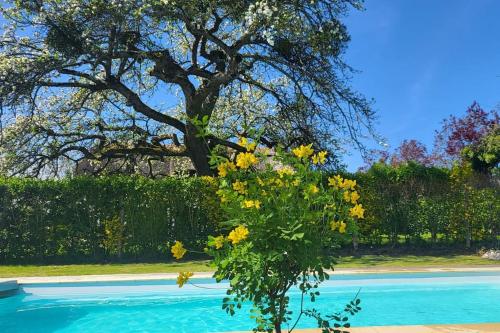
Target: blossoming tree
93 79
283 223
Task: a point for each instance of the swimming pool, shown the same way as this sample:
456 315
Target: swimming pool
160 306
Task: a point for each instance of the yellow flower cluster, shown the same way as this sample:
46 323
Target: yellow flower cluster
246 160
303 151
319 158
339 182
313 189
251 204
340 225
224 167
357 211
348 184
183 278
354 197
249 146
238 234
335 181
178 250
240 187
286 170
351 197
219 242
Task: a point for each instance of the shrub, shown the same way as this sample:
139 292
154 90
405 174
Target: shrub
284 221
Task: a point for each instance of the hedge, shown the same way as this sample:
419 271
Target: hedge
106 219
96 219
429 205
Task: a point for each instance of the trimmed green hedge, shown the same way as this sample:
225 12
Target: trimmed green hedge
415 204
97 219
104 219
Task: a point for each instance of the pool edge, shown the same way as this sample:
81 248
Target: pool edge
439 328
204 275
8 287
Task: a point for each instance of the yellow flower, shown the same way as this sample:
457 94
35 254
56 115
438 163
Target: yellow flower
348 184
351 197
251 204
178 250
248 146
225 167
341 225
260 181
240 187
296 182
357 211
319 158
303 151
219 242
335 181
333 225
354 197
246 160
286 170
183 278
313 189
238 234
279 182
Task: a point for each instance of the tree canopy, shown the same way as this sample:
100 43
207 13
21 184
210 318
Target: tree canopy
458 133
100 80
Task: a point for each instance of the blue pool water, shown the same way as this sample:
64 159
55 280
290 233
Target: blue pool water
159 306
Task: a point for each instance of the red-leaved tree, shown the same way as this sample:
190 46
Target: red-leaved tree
411 151
458 133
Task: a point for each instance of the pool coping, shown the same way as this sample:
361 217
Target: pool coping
8 287
441 328
204 275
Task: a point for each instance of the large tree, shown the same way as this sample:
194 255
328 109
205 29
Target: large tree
107 79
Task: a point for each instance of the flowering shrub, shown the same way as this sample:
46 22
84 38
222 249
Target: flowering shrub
283 223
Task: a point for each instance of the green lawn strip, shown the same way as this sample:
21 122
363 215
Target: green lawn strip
95 269
374 261
367 261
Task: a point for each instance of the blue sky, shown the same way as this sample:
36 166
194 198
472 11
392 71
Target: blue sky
422 60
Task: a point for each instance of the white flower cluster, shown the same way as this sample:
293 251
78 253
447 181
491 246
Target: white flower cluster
263 13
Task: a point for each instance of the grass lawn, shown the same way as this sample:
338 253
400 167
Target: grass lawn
367 261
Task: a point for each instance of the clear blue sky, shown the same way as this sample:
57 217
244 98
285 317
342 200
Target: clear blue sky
422 60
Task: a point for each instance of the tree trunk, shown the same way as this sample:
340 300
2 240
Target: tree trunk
277 327
355 242
198 151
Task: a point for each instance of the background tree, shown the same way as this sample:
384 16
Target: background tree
411 151
458 133
485 154
94 79
408 151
